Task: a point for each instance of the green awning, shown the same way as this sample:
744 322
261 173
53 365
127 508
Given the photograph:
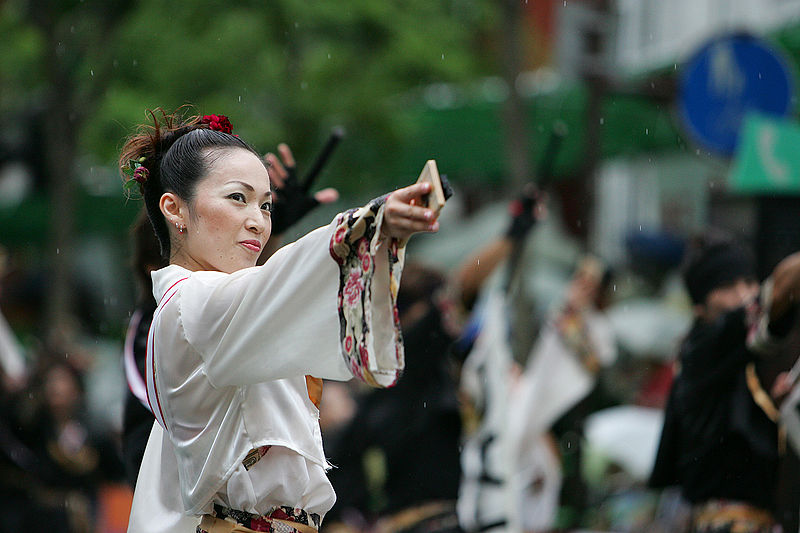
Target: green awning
467 141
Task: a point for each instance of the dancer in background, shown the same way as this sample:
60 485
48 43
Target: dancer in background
718 442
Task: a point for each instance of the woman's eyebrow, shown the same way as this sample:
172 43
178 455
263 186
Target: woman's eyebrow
250 187
243 184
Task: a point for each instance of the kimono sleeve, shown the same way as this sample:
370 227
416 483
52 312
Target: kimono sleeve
290 316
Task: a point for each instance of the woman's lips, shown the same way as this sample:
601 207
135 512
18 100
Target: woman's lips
252 245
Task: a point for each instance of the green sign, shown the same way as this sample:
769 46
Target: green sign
768 160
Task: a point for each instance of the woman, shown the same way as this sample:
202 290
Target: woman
233 346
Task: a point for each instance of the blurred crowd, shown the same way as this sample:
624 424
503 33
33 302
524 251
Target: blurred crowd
543 392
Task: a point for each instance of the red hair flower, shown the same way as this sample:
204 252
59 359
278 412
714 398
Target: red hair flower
218 123
141 174
137 173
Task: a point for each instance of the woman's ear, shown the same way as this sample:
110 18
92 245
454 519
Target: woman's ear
173 209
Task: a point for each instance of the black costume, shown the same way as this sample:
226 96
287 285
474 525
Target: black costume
717 443
138 420
416 426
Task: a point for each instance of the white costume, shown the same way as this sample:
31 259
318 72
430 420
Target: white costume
483 497
560 372
226 365
511 475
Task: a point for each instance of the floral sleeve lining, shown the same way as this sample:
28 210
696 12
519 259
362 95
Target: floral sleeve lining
354 246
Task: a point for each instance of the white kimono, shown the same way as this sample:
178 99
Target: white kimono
226 364
511 476
554 380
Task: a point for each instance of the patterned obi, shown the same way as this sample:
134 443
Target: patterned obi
282 519
721 516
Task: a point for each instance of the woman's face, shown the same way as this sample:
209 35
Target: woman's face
228 220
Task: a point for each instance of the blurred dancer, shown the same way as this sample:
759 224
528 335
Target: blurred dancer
138 420
550 401
71 460
484 502
718 442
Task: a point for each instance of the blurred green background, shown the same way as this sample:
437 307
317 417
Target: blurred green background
76 78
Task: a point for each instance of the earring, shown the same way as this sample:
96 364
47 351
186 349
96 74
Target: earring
180 227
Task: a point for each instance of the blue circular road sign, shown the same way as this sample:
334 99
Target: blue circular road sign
727 78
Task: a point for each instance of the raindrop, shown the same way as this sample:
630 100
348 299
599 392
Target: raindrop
424 405
442 56
240 98
296 24
304 85
697 152
72 29
329 56
602 121
647 131
565 3
58 251
91 71
135 63
479 262
614 288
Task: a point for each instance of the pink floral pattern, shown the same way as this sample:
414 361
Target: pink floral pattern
348 343
353 289
354 247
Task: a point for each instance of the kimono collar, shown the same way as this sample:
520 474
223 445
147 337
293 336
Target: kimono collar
165 278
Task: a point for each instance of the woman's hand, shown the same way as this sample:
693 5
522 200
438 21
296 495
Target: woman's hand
403 215
292 199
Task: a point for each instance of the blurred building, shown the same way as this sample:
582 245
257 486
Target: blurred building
610 72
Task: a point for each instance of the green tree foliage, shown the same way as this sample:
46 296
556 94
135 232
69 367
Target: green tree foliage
283 70
76 77
289 70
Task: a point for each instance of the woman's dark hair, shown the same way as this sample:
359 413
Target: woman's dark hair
176 151
145 256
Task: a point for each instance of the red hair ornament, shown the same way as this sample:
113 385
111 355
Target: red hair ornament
218 123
